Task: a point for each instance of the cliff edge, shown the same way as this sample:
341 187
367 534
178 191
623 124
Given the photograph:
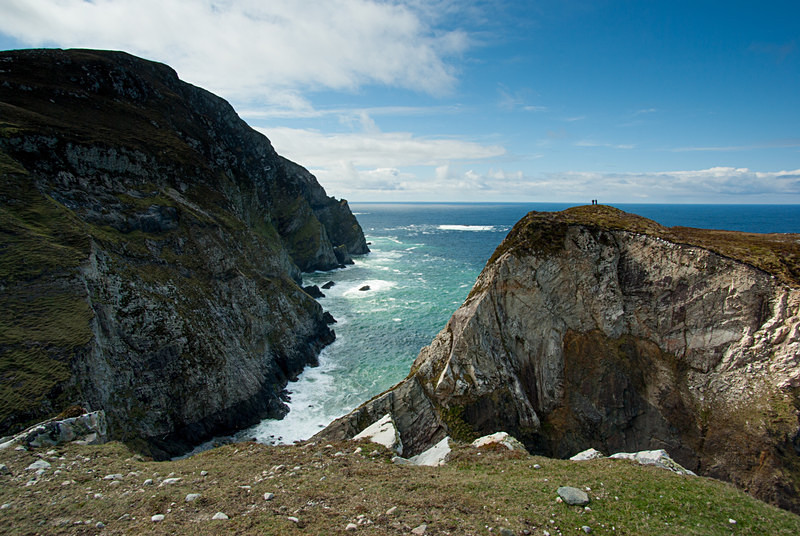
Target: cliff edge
151 246
592 327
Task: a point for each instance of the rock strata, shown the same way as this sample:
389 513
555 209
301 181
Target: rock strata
593 327
152 244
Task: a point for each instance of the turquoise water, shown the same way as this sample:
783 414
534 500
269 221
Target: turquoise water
424 261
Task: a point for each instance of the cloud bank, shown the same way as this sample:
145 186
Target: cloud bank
252 50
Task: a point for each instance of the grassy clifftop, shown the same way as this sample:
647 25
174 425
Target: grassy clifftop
321 489
777 254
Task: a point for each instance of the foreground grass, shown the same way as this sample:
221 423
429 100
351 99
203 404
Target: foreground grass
321 489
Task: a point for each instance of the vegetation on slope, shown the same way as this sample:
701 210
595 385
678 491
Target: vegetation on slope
321 489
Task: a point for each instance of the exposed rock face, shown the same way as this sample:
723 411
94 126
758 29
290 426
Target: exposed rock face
596 328
152 245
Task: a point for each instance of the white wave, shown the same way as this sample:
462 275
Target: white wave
375 285
467 227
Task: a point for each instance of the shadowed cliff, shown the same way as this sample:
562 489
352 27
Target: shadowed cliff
151 246
596 328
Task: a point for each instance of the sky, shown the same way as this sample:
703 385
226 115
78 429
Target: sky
640 101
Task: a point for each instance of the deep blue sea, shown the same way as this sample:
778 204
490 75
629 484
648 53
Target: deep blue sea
424 261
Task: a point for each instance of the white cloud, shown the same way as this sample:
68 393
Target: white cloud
373 149
713 185
255 50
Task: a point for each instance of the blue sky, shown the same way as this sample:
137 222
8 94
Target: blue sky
442 100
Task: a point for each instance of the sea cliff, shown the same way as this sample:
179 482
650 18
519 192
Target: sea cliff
152 246
596 328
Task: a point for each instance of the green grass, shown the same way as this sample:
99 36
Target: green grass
477 492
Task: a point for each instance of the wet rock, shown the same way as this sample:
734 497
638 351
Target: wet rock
364 288
328 285
313 291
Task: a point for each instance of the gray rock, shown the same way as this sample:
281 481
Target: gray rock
220 516
38 465
157 518
351 527
419 530
148 482
191 497
269 496
588 454
4 470
573 496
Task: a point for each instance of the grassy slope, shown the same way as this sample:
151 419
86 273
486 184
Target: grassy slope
325 491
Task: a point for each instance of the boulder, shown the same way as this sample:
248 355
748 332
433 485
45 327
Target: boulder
383 432
499 438
588 454
659 458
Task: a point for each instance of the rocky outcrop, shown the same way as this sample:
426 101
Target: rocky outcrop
152 245
597 328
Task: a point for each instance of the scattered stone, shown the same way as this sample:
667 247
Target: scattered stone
384 432
148 482
351 527
391 510
293 519
358 450
191 497
203 473
5 506
269 496
399 460
506 532
573 496
124 517
219 516
502 438
37 465
731 521
587 529
419 530
116 476
169 481
157 518
537 466
588 454
100 525
4 470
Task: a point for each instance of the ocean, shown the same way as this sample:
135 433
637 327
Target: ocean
424 261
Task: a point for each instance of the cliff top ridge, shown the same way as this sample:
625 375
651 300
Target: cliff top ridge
775 253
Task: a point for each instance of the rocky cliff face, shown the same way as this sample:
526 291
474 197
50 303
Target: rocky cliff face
151 248
596 328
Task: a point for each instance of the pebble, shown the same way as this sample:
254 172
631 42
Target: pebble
4 470
391 510
220 516
269 496
6 506
587 529
100 525
537 466
191 497
351 527
156 518
420 530
148 482
293 519
731 521
203 473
